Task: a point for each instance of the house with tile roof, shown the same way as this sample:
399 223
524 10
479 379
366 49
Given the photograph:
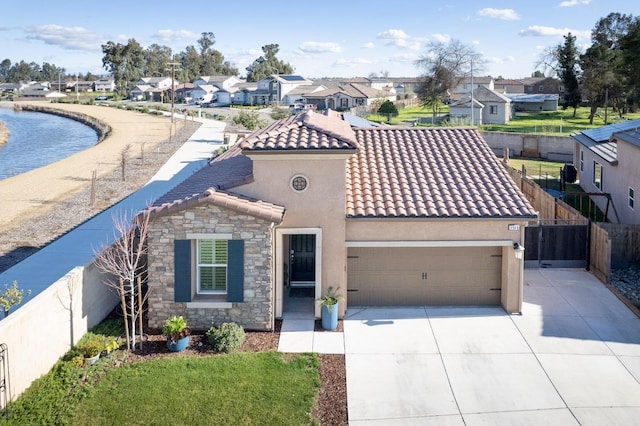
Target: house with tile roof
607 161
346 96
385 215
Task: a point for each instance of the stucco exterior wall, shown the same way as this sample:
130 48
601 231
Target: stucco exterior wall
546 144
616 180
321 205
255 312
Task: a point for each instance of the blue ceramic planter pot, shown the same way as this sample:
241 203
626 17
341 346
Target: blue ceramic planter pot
329 317
179 345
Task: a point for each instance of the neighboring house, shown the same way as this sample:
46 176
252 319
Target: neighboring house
543 85
496 108
105 85
183 92
407 87
225 82
508 86
202 92
385 215
83 86
346 96
298 95
156 82
467 84
220 86
274 88
607 161
532 102
460 111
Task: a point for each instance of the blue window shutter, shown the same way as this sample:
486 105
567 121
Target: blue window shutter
235 271
182 265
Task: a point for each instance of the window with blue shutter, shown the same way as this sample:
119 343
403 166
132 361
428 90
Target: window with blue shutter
182 268
218 265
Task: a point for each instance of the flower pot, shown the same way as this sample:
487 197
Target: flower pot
91 360
178 345
329 316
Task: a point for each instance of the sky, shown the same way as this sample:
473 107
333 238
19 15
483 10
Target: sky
328 38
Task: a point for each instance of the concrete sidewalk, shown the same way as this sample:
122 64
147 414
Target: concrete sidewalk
77 248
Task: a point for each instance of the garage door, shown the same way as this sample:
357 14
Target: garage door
424 276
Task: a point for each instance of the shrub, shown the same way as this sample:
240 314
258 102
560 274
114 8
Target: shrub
226 338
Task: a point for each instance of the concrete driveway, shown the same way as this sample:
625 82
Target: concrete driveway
572 357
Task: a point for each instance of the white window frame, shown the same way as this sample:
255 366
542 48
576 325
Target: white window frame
581 161
598 183
493 109
198 265
631 198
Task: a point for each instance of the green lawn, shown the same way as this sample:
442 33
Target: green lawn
559 122
238 388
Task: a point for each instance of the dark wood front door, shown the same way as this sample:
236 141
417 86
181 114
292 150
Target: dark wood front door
303 258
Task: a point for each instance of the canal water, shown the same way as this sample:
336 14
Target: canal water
37 139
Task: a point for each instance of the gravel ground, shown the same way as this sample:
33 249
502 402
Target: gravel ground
25 238
627 282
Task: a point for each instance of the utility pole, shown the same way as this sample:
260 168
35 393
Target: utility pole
173 66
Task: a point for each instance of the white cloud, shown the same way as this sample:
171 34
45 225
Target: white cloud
498 60
319 47
571 3
542 31
71 38
393 35
441 38
403 58
369 45
504 14
475 43
169 36
352 62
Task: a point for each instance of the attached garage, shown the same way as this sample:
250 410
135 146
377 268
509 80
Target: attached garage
406 276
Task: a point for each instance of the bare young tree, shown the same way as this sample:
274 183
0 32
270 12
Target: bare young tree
445 66
123 261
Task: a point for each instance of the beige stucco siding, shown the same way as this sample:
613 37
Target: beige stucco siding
321 205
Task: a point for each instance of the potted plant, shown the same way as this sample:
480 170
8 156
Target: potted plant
109 344
177 333
91 350
329 308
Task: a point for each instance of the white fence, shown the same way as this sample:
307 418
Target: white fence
42 330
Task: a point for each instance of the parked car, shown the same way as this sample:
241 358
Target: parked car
102 98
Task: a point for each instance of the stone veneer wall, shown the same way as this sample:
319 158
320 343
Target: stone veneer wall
256 312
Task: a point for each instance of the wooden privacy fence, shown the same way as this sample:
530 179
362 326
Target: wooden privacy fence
611 246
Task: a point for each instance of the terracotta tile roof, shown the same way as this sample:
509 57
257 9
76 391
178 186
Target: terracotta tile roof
308 131
225 171
247 205
429 172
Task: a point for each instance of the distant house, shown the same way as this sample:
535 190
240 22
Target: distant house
346 96
218 87
274 88
507 86
607 161
467 84
533 102
105 85
460 111
543 85
156 82
495 108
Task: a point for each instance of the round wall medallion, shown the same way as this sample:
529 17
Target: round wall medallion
299 183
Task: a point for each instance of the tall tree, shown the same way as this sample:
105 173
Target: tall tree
125 62
23 71
5 66
268 64
445 66
567 59
156 59
631 61
603 81
212 60
190 62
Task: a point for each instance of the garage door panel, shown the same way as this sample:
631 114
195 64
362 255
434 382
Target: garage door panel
424 276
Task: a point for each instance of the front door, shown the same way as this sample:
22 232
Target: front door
302 250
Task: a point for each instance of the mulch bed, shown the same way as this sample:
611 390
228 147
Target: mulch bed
330 407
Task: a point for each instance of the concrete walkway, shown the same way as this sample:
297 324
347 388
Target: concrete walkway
572 357
77 248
